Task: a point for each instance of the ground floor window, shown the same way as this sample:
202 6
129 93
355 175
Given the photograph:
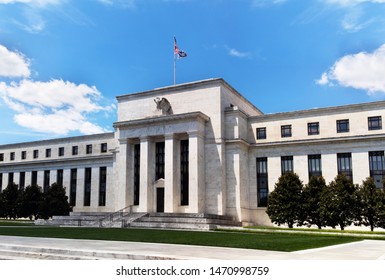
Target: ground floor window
34 178
87 186
22 180
344 164
73 183
262 182
102 185
136 173
377 167
287 164
46 180
59 177
184 174
314 165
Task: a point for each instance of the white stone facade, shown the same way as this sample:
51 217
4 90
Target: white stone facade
196 148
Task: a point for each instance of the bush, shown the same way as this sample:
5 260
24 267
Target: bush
311 195
285 201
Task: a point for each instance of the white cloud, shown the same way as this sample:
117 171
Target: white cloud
353 2
13 64
56 106
364 71
36 3
236 53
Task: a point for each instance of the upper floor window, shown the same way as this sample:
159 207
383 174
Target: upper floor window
342 126
61 151
75 150
313 128
23 154
35 153
12 155
1 157
103 147
286 130
89 149
374 123
47 152
261 133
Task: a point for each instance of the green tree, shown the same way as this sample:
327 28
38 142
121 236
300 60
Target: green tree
55 202
11 196
285 201
339 202
31 201
311 196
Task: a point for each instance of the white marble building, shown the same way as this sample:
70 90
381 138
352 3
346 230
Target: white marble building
200 147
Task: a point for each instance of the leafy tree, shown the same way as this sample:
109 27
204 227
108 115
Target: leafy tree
11 196
339 202
284 203
32 199
311 195
381 208
55 202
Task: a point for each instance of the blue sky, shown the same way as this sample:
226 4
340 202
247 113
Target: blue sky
62 62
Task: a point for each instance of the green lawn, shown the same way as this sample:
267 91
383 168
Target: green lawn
4 222
264 241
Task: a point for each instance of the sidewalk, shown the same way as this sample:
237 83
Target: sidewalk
362 250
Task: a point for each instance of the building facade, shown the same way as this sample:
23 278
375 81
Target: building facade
200 147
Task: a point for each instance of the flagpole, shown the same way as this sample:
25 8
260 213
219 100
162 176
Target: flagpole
174 69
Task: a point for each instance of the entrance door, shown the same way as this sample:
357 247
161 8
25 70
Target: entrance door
160 200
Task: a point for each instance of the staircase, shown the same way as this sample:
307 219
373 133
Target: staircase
188 221
125 219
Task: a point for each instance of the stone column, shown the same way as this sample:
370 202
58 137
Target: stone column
66 181
80 188
147 175
196 173
94 188
172 170
120 169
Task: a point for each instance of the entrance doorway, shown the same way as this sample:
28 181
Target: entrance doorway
160 200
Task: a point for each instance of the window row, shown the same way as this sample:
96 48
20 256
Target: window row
60 152
344 166
73 183
313 128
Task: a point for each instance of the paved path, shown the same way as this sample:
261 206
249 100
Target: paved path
362 250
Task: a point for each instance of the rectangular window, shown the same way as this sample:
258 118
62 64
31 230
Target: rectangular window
184 172
314 163
136 173
286 130
35 153
287 164
159 160
103 148
47 153
34 178
313 128
374 123
61 151
46 180
59 177
73 183
23 154
87 186
102 185
10 178
89 149
261 133
12 155
262 183
22 180
75 150
1 157
342 126
377 167
1 182
344 164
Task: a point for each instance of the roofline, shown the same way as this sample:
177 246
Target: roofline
186 86
54 140
322 111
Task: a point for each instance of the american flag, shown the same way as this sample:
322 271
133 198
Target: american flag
177 51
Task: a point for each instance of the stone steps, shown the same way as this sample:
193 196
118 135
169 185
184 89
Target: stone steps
16 252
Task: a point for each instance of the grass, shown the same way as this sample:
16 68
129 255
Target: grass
285 242
316 230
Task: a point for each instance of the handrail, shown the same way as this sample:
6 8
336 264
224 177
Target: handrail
119 214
